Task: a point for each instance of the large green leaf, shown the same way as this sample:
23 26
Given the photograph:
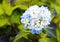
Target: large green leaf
1 11
6 7
20 35
3 20
23 7
47 40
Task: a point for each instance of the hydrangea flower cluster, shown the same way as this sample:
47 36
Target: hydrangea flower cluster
35 18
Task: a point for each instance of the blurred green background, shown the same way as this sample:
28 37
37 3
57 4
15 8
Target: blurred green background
11 29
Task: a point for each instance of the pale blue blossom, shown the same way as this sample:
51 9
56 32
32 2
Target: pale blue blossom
35 18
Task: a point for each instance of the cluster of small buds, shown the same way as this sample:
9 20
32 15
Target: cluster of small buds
35 18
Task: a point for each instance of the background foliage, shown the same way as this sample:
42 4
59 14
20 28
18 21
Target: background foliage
11 29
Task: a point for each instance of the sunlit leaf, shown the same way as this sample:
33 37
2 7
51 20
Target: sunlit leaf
6 7
47 40
1 10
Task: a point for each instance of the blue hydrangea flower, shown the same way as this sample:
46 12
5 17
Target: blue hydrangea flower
35 18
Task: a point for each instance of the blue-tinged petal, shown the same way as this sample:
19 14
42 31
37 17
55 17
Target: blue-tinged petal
25 26
37 32
33 31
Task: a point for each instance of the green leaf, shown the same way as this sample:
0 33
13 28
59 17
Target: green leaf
3 20
21 27
56 19
47 40
6 7
58 2
20 35
15 18
43 35
57 9
58 34
1 11
23 7
22 4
